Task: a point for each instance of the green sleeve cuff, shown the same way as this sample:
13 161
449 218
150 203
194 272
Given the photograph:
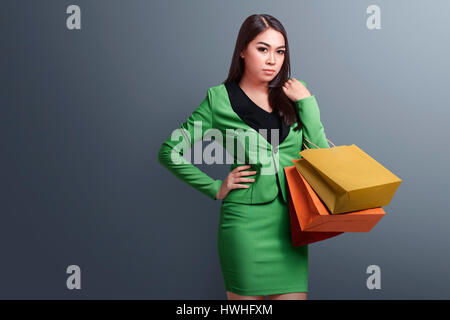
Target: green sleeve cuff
306 100
215 188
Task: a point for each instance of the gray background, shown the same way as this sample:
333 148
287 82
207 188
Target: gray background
83 114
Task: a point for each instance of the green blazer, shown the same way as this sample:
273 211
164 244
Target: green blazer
215 111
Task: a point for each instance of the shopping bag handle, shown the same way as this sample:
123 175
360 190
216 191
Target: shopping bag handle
314 144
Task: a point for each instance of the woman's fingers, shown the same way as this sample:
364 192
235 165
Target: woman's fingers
238 172
237 178
290 82
239 186
245 173
240 168
245 180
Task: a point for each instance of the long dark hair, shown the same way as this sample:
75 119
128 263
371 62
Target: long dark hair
250 28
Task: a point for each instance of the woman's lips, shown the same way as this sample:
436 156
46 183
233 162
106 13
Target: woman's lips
269 72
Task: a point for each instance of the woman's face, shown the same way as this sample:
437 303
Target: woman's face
266 51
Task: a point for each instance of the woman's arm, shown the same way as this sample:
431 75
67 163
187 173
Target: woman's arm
309 114
171 152
312 126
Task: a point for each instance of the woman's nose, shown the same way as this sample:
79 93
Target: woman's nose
271 59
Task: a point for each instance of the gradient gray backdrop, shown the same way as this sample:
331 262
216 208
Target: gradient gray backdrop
84 112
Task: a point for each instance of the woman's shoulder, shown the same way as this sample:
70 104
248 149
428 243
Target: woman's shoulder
216 92
217 88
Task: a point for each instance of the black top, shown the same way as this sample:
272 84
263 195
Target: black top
255 116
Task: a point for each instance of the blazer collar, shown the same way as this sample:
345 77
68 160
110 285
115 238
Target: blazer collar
234 93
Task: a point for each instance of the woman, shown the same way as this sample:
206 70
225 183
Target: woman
256 255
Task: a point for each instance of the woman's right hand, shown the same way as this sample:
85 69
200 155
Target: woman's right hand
231 181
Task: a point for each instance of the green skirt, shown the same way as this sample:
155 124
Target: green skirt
255 249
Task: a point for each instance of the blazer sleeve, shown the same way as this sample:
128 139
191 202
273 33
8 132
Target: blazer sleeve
312 126
171 152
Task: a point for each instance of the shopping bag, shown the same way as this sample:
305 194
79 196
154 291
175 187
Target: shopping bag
347 179
301 238
313 215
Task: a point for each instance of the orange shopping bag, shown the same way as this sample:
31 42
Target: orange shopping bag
299 237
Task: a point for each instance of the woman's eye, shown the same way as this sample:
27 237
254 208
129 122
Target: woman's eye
262 49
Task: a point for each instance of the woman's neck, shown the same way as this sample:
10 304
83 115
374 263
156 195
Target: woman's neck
249 85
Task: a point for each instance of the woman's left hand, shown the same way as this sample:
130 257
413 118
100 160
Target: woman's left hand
295 90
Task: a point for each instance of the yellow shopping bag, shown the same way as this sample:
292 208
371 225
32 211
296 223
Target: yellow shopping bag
346 178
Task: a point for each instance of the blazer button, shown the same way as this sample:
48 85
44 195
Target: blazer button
275 149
